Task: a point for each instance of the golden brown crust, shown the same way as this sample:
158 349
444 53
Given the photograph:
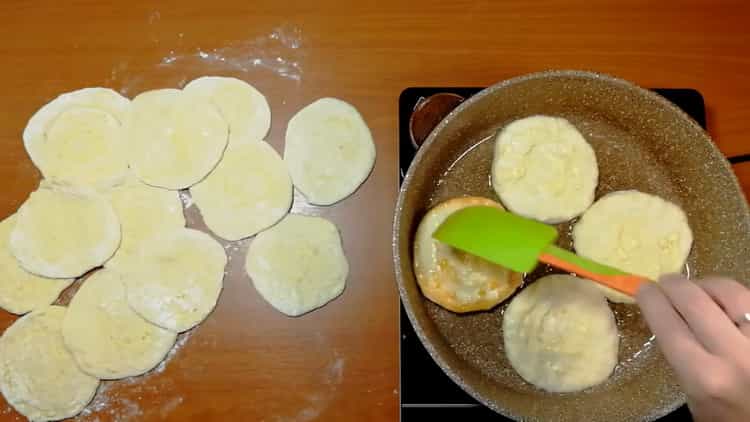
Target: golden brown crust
441 271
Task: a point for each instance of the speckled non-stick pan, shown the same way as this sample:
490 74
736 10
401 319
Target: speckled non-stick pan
642 142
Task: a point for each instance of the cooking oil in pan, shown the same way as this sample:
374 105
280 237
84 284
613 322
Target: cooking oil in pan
469 175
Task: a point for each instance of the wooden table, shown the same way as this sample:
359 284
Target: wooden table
247 361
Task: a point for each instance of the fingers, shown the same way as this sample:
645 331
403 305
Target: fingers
708 322
732 296
701 341
681 348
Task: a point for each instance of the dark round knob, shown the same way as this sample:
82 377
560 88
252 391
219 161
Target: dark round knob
428 113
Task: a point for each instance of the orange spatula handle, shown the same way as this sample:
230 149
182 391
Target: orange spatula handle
624 283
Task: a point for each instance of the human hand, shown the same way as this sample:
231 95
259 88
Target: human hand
703 332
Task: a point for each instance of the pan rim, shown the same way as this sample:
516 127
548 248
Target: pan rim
397 221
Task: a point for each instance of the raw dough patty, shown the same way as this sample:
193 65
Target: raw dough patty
174 140
63 233
38 376
22 291
243 107
249 191
178 280
144 211
544 169
634 232
107 338
560 334
453 279
329 150
77 138
299 264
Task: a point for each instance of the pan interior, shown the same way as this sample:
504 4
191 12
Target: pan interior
641 143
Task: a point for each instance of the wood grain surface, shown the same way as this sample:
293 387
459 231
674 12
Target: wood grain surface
247 361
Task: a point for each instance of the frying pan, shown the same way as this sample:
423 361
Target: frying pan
642 142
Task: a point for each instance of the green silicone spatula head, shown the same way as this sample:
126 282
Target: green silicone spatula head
519 244
497 235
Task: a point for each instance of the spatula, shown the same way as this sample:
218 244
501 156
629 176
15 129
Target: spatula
520 244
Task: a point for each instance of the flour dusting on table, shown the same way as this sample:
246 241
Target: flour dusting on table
280 53
315 403
276 52
187 200
109 402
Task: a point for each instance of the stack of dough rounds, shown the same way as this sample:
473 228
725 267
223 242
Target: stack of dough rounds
329 150
249 191
244 108
20 290
38 376
453 279
178 279
544 169
63 233
560 334
634 232
112 168
107 338
298 265
77 138
174 139
144 211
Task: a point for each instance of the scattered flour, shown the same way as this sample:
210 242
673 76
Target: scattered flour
7 413
181 340
170 406
317 402
301 206
187 200
108 401
335 371
277 52
280 53
154 16
234 249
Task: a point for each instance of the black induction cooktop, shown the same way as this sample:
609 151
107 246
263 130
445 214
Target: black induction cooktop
425 390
